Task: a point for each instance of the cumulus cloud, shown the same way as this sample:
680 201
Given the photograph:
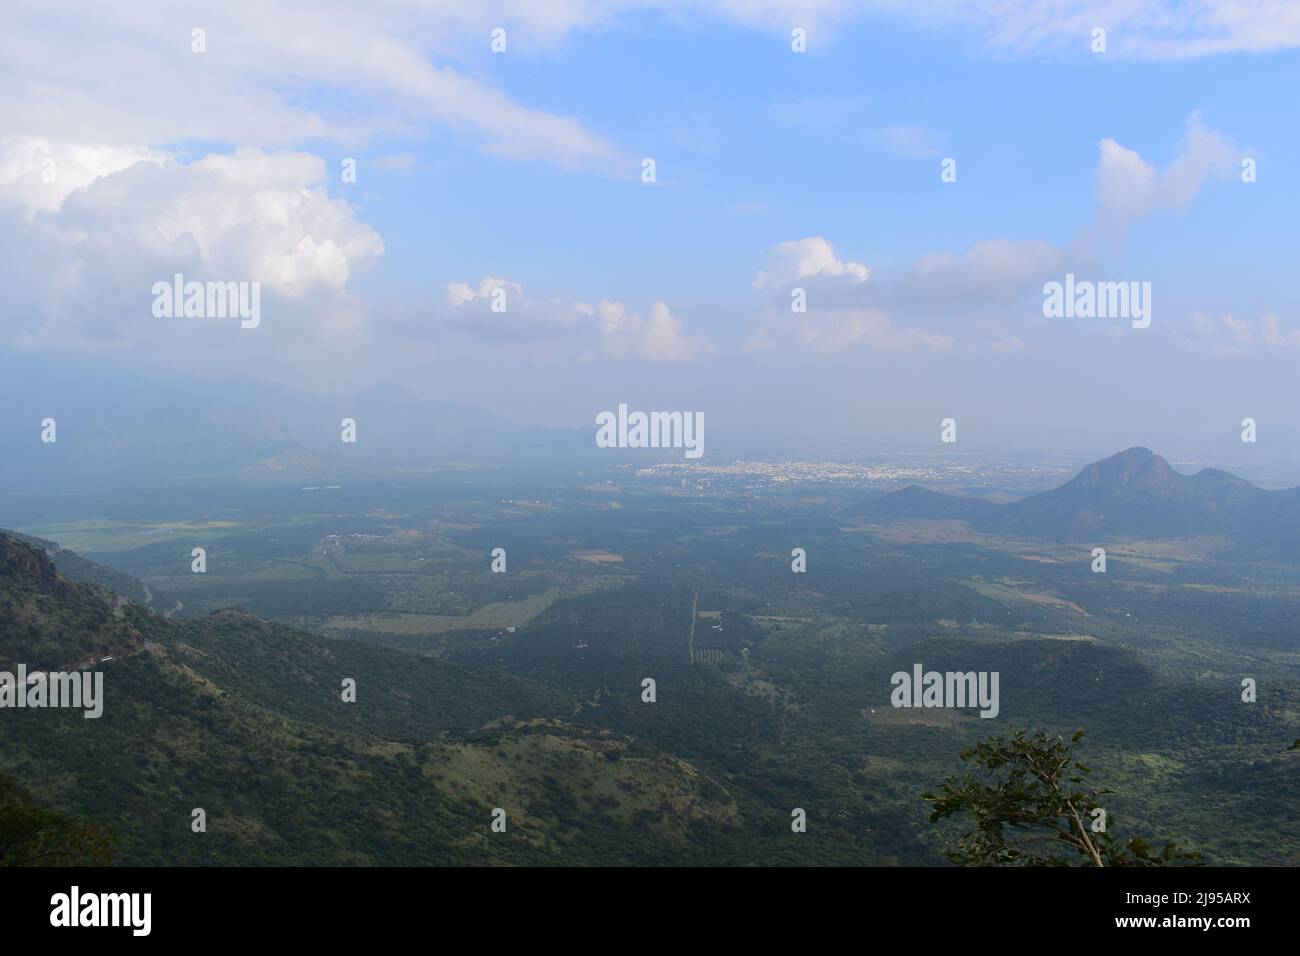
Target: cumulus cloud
251 214
994 279
554 329
39 173
662 339
1128 187
845 309
267 216
806 258
837 298
248 216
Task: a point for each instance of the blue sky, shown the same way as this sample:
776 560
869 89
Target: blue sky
521 170
734 118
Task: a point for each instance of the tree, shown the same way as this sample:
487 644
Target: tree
1032 807
31 836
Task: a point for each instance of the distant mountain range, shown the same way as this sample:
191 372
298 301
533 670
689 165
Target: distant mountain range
111 426
1132 494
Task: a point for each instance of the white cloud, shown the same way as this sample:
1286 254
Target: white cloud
247 216
993 279
615 319
277 75
382 67
553 329
805 258
836 314
662 339
124 81
1136 29
1128 187
460 293
267 216
1231 335
39 173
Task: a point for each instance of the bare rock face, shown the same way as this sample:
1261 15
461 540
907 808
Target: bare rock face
32 566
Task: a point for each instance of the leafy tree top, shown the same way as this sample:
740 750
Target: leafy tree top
1032 806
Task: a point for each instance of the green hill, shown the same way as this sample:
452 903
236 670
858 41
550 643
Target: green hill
245 720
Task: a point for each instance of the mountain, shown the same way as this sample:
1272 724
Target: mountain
34 595
76 568
113 428
1132 494
245 719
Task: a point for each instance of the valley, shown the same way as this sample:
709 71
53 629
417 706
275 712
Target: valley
522 690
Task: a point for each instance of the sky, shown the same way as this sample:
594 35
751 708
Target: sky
133 148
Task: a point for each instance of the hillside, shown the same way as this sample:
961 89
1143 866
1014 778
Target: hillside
49 622
245 720
76 568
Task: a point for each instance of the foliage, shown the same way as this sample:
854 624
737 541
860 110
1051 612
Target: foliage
1041 797
33 836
